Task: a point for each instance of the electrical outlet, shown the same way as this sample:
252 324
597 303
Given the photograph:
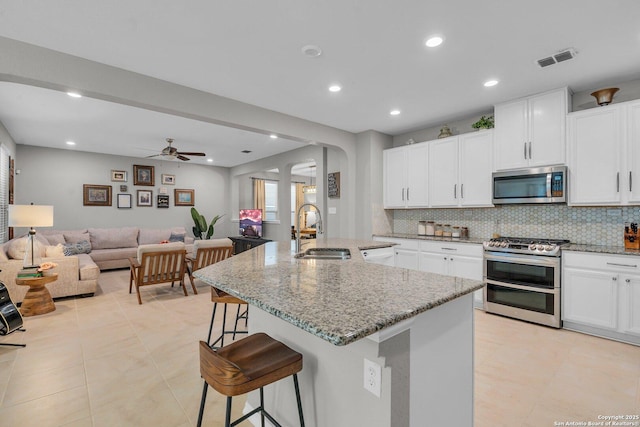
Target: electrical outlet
372 377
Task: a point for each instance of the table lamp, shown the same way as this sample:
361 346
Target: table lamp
30 216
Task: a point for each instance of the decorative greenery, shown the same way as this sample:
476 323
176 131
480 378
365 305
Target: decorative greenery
484 123
200 230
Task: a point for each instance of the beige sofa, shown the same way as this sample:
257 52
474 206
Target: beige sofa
77 274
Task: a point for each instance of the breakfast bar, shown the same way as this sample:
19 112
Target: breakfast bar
349 318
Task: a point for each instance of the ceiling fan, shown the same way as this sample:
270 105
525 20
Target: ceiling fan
170 151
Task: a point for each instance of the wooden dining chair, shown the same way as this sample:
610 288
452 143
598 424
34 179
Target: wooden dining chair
156 264
207 252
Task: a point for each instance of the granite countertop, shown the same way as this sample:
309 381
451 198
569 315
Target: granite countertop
339 301
610 250
475 240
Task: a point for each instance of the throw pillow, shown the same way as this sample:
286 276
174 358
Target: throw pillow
175 237
56 251
76 237
83 247
55 239
17 248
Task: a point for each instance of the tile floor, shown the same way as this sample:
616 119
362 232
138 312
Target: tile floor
105 361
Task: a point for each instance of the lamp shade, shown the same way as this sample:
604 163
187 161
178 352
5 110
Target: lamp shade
30 216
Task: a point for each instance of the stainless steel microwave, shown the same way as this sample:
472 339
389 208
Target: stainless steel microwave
531 185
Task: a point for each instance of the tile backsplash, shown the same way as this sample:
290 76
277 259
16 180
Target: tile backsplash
583 225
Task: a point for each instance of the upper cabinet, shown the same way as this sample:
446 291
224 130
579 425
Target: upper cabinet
405 176
604 155
460 170
531 131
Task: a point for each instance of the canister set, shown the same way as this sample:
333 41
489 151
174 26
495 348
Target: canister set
430 228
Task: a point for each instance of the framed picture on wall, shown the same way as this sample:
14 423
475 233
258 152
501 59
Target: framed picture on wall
143 175
123 188
168 179
124 201
163 201
96 195
118 176
145 198
184 197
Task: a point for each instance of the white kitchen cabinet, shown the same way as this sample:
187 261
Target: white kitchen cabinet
595 147
590 297
460 170
531 131
453 259
601 295
382 256
633 148
405 176
406 258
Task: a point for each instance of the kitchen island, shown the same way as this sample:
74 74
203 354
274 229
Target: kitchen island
338 313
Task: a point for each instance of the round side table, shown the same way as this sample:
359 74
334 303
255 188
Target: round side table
38 299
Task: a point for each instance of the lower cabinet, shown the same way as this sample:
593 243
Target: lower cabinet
601 295
453 259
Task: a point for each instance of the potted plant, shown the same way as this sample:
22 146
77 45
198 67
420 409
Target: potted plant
484 123
202 230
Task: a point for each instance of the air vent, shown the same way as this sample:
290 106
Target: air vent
563 55
246 151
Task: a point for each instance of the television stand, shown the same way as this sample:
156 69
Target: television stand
244 243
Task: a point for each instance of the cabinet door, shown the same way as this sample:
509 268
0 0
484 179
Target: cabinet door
465 267
434 263
631 304
406 259
394 178
594 158
510 145
590 298
417 157
547 117
443 172
475 167
632 175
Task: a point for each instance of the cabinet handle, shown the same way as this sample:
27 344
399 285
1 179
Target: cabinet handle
525 150
407 193
449 249
462 191
630 182
618 182
403 194
445 258
614 278
529 150
623 265
455 191
627 280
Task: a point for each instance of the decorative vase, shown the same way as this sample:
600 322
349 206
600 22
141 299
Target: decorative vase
444 132
605 96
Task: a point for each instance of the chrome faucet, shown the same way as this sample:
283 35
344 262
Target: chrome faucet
298 230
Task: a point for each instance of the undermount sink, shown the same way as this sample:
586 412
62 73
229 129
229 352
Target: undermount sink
325 253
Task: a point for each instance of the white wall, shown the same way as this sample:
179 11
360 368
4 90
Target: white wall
56 177
7 140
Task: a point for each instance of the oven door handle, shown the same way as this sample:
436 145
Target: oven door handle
524 288
526 260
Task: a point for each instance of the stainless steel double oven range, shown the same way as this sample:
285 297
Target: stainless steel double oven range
522 279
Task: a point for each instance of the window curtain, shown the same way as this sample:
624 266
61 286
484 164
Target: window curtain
259 197
299 199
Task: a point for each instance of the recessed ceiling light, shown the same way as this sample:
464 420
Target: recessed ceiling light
490 83
74 94
71 143
434 41
312 51
273 136
335 88
394 112
210 160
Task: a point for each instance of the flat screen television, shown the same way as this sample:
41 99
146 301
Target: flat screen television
251 222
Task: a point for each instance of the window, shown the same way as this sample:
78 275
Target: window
271 200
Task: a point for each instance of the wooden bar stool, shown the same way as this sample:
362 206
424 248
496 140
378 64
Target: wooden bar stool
246 365
220 297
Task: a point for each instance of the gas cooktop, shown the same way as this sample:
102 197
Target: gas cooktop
523 245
